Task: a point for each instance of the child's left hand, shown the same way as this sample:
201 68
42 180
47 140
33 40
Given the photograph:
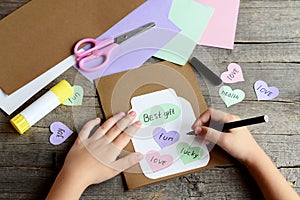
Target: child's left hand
93 159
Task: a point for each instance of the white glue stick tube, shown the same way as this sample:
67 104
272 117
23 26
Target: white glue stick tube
42 106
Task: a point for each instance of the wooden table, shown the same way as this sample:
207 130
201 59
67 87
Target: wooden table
267 47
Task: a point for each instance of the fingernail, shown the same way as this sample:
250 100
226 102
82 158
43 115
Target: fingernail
138 123
139 157
195 124
121 114
132 113
198 130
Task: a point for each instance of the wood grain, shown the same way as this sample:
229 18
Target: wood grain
266 47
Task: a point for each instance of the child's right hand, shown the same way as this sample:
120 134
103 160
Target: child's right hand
237 142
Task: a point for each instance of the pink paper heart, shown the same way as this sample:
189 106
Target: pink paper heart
60 132
164 138
233 74
263 92
158 162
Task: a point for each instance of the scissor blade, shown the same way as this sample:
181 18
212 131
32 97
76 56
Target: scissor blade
130 34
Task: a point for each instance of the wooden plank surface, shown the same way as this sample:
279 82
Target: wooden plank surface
266 47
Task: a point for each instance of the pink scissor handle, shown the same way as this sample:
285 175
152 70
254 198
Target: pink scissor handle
100 48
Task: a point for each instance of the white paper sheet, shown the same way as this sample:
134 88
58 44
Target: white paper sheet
162 139
10 103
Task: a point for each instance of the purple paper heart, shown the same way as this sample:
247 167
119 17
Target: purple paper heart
164 138
263 92
60 132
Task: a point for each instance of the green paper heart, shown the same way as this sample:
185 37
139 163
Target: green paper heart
76 99
231 97
189 154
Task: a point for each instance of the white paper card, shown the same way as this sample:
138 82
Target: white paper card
167 150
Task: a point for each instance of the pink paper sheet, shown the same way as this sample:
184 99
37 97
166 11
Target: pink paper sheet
220 31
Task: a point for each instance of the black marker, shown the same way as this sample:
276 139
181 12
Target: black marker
205 71
236 124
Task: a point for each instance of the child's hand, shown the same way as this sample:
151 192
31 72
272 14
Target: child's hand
237 142
240 144
93 159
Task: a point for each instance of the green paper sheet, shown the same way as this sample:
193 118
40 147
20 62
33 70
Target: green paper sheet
192 18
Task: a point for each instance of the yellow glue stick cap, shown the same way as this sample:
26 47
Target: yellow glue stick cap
63 90
20 123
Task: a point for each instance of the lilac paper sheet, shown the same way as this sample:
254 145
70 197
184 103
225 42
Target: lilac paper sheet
135 51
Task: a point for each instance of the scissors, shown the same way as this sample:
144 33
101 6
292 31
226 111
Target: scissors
103 48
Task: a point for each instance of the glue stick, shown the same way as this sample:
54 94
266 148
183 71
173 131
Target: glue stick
42 106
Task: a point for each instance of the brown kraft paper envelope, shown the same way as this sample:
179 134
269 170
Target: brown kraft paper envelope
42 33
115 92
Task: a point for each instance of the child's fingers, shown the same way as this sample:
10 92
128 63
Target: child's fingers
120 126
126 162
88 127
220 116
107 125
203 118
209 134
215 116
122 140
